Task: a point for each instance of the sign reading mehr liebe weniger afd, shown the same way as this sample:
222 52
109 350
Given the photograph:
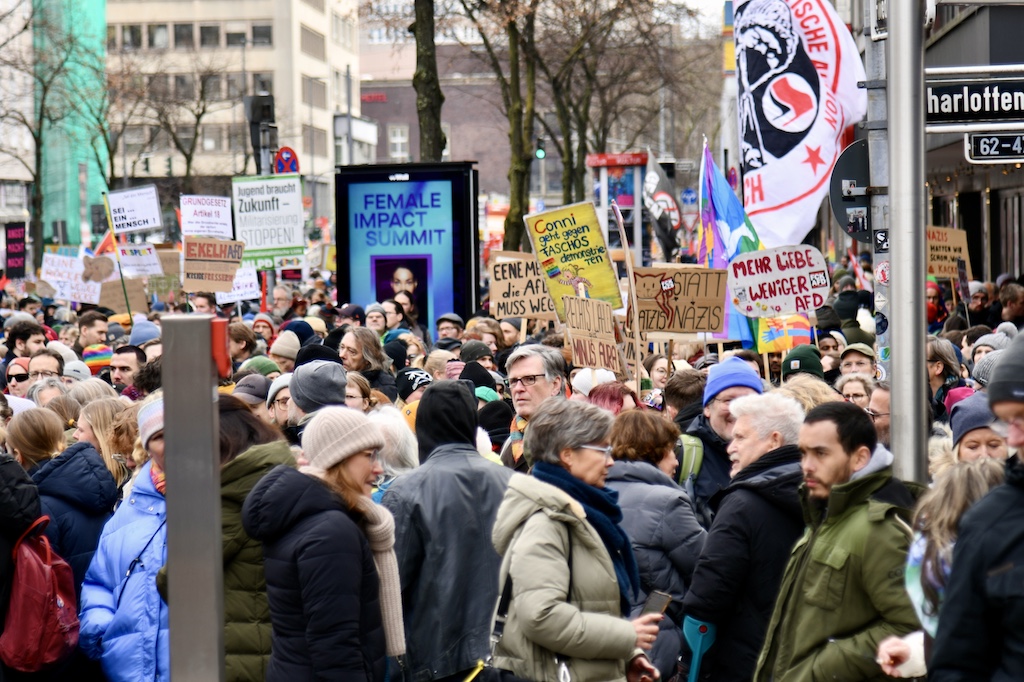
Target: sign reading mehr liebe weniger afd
974 101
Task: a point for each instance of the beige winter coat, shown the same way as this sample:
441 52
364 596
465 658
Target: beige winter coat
532 533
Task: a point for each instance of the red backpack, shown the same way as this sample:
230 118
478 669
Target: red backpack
41 626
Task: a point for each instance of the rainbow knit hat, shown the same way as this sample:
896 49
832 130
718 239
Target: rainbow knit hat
97 357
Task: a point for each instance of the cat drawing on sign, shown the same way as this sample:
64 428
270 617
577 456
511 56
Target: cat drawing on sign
651 288
571 277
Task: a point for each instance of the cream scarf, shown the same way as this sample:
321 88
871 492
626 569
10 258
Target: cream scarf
380 532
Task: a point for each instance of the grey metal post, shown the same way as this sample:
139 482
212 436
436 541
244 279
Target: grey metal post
195 577
910 414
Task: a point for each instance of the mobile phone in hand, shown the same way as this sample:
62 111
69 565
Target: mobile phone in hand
657 602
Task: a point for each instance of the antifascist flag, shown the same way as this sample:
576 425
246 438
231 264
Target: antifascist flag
797 69
661 204
725 232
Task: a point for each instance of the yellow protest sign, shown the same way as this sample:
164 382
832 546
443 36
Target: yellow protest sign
573 256
945 246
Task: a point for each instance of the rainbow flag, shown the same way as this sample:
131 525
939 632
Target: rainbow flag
778 334
725 231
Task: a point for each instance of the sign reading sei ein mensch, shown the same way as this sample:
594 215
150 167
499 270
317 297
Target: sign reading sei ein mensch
974 101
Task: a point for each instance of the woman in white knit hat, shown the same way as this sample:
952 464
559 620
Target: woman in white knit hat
332 577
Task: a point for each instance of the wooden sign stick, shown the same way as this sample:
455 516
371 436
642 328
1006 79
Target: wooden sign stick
631 284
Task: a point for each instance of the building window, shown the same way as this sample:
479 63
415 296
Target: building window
184 36
158 86
342 30
314 92
131 37
398 143
210 88
238 137
213 138
159 38
232 39
209 36
185 135
263 34
135 139
184 87
318 5
314 141
312 43
111 37
263 83
236 85
158 139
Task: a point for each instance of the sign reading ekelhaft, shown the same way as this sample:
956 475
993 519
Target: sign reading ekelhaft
268 218
975 101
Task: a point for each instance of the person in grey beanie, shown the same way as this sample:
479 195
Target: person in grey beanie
984 367
314 385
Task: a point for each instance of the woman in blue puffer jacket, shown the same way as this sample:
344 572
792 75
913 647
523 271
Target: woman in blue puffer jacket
123 620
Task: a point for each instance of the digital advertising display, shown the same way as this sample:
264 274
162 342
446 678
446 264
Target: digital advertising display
411 228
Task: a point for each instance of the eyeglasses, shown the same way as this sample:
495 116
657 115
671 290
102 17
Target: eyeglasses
854 396
875 415
605 450
447 328
17 377
526 380
282 403
41 374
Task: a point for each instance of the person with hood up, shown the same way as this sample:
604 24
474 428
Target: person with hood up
332 579
444 511
567 562
842 591
758 519
122 619
658 517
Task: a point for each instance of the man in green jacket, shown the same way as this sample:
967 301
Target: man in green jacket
842 592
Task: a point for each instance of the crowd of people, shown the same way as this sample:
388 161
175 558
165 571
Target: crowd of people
471 506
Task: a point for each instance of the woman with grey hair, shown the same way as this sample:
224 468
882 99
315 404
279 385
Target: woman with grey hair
400 453
856 388
568 570
45 390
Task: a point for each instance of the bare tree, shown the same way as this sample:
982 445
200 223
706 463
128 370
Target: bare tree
425 80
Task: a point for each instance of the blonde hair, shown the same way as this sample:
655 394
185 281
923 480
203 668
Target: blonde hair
360 382
809 391
100 415
938 516
436 361
421 350
90 390
37 435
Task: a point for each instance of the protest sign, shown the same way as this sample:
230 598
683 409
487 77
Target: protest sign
165 287
945 246
780 281
572 253
210 264
591 331
203 216
135 209
15 266
517 287
245 287
963 283
139 260
269 218
680 299
67 276
112 296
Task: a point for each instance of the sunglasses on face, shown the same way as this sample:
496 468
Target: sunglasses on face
17 377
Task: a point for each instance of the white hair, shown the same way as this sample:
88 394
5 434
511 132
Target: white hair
400 452
771 412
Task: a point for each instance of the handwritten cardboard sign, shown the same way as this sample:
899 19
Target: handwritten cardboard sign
945 246
518 288
779 281
135 209
69 279
680 299
590 328
205 216
166 286
573 255
245 287
210 264
112 296
139 260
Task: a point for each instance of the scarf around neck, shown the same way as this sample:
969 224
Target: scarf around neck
515 437
380 533
158 477
604 514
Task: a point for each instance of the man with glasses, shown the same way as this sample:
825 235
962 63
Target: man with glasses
713 427
449 326
23 338
878 410
857 358
44 364
535 373
981 631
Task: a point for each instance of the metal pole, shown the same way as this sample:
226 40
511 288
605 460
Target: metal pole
195 578
909 408
348 113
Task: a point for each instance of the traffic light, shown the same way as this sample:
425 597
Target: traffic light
170 167
539 152
145 166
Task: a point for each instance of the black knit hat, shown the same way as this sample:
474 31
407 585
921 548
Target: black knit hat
1007 383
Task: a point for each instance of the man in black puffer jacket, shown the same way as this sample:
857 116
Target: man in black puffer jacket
444 511
757 520
981 621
